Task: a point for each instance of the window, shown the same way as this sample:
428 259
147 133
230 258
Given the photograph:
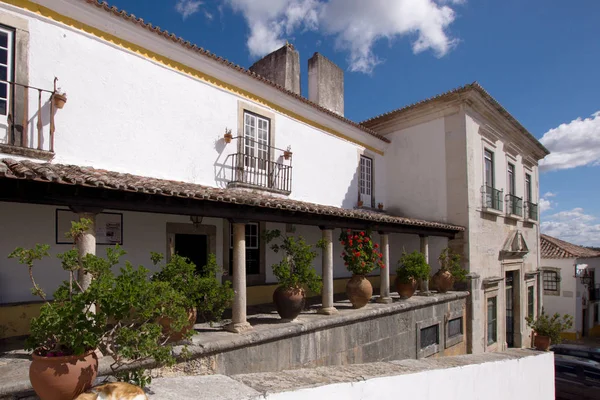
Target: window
596 312
511 179
6 68
528 188
492 324
430 336
530 300
256 142
252 249
455 327
366 181
489 168
551 281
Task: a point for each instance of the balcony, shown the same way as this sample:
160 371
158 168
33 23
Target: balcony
260 166
514 205
492 198
26 133
531 211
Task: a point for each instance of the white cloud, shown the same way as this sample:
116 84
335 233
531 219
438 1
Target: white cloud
545 205
188 7
573 145
574 226
355 25
549 194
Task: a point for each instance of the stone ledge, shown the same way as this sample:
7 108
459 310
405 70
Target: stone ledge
27 152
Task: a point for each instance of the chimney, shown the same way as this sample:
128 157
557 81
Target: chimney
281 67
326 84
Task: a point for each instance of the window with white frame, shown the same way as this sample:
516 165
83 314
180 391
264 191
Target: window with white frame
492 321
551 280
489 168
511 179
528 189
6 67
366 180
256 141
252 249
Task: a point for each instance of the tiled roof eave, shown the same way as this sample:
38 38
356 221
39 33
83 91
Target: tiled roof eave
97 178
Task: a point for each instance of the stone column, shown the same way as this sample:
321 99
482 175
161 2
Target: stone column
86 244
238 320
327 293
475 316
384 284
424 241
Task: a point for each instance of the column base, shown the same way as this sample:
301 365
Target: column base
384 300
425 293
239 327
328 311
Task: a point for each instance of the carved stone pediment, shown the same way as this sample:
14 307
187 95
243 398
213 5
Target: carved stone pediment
515 246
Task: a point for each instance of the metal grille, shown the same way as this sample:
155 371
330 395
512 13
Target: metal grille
430 336
551 280
532 210
492 198
515 205
492 324
455 327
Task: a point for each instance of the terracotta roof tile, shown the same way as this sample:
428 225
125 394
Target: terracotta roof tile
91 177
556 248
192 47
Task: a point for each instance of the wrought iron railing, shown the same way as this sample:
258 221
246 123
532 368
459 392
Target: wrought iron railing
514 205
25 129
531 211
492 198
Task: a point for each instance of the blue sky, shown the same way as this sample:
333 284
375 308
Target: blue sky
539 58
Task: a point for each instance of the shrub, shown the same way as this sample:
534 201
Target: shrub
361 256
412 266
551 326
450 261
295 270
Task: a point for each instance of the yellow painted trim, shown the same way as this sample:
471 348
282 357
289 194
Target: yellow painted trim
595 331
16 319
51 14
569 335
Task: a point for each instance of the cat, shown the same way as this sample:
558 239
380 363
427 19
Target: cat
114 391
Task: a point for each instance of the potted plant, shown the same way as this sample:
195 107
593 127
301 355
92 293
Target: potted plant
361 256
77 322
548 328
294 273
380 206
227 137
450 271
287 154
360 203
59 98
411 267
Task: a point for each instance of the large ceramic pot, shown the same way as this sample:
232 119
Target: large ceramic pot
60 378
406 290
177 336
541 342
442 281
289 302
359 291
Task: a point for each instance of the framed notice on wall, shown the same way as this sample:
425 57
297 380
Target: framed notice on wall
109 227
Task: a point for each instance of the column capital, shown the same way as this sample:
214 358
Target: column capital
383 232
238 220
423 236
326 228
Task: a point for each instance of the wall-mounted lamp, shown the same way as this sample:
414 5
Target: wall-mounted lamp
196 220
586 278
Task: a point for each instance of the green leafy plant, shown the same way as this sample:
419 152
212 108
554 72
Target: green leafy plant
450 261
202 291
117 313
412 266
361 256
551 326
295 270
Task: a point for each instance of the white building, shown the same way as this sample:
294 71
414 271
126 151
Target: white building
141 146
570 284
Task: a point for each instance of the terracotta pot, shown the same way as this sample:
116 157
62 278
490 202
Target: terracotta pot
406 290
359 291
60 378
59 100
228 137
289 302
287 154
360 203
541 342
442 281
177 336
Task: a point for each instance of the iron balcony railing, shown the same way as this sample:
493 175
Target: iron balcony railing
492 198
514 205
531 211
24 128
258 165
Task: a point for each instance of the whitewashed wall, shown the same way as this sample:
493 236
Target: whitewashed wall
524 378
569 301
127 113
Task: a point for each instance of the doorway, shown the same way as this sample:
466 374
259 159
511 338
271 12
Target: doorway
194 247
510 311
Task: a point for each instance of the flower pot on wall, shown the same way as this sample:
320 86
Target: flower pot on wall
228 137
359 291
406 290
287 154
177 336
541 342
360 203
59 100
60 378
289 302
442 281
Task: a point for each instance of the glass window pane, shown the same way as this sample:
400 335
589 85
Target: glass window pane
455 327
3 90
430 336
3 56
4 39
2 107
3 73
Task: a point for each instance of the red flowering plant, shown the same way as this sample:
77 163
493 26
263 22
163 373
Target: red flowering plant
361 255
